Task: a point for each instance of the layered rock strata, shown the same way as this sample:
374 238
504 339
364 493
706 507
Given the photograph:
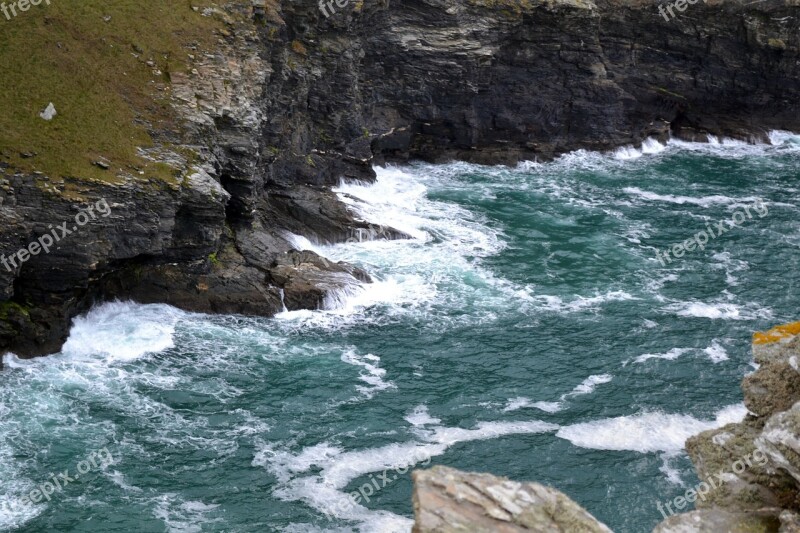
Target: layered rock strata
291 101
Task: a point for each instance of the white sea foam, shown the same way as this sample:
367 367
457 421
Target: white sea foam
122 331
396 294
373 375
719 310
446 244
627 152
548 407
716 352
515 404
647 431
703 201
118 478
301 243
393 201
14 513
672 474
398 199
588 385
650 146
14 485
420 417
99 343
325 490
726 262
671 355
578 303
181 516
780 138
781 141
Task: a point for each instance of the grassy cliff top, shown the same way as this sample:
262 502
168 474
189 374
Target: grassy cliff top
105 65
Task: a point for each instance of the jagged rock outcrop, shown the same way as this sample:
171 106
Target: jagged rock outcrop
216 239
751 470
450 501
288 101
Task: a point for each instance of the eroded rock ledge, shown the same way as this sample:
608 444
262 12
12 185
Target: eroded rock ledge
749 471
289 102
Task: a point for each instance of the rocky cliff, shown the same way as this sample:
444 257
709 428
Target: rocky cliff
242 115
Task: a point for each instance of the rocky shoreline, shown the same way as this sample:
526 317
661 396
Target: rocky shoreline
289 102
749 471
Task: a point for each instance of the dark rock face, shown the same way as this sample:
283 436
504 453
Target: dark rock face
499 81
292 101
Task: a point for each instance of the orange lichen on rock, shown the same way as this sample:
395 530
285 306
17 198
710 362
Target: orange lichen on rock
777 333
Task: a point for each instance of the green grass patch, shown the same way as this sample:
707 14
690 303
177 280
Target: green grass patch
670 93
95 71
10 308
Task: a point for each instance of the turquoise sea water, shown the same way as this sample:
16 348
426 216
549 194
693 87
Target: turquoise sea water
526 330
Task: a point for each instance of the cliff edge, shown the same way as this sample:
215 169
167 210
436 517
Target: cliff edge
208 142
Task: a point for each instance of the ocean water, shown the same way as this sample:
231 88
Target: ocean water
527 329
